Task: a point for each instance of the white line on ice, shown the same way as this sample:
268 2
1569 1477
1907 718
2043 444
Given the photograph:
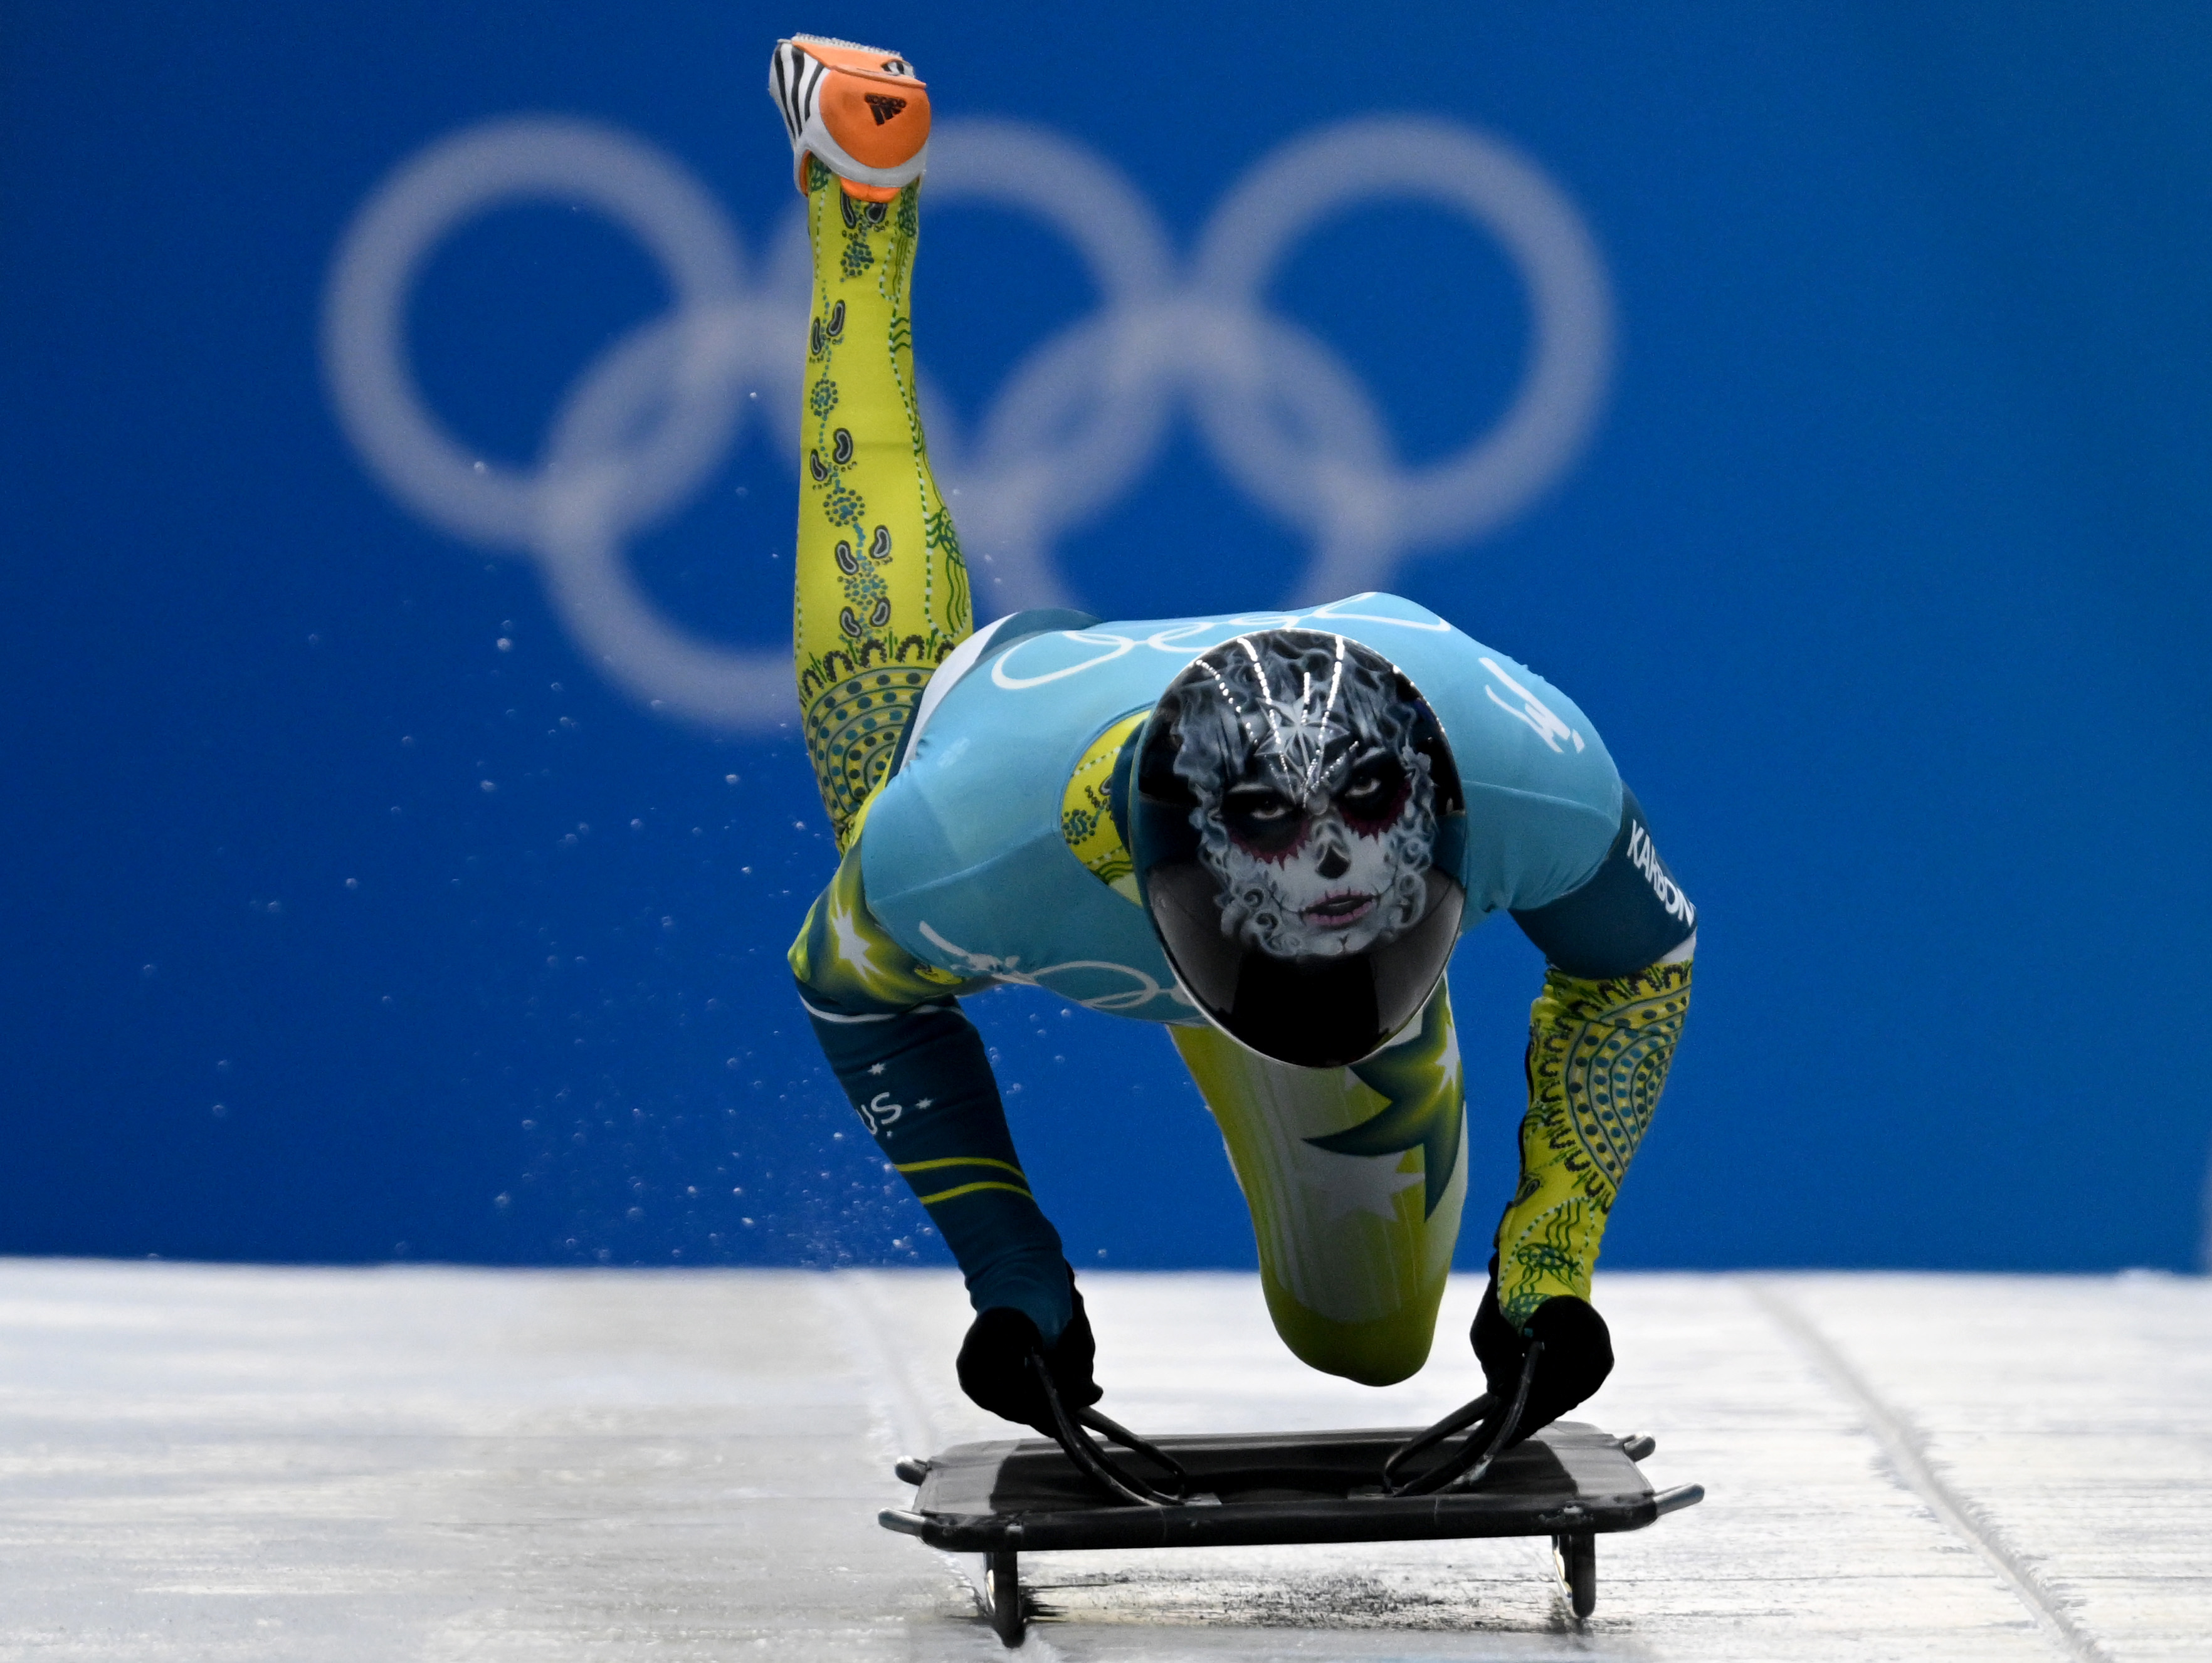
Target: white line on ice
1902 1444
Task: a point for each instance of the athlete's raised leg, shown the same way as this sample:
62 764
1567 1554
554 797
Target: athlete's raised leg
882 591
1355 1178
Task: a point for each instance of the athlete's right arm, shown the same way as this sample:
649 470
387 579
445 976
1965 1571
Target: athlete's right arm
916 1071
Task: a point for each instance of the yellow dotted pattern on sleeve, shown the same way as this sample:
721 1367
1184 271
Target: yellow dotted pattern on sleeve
1598 1056
1087 820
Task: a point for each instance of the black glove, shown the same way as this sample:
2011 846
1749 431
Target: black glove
1577 1356
994 1368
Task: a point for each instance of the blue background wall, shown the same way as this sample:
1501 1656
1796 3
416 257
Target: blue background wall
1882 573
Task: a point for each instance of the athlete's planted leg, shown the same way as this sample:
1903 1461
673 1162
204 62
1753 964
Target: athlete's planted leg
1355 1178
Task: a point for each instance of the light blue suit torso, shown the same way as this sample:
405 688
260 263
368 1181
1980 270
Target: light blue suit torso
962 858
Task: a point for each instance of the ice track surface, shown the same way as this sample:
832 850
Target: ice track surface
236 1463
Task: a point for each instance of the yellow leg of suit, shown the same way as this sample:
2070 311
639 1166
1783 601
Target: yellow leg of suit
882 590
1355 1240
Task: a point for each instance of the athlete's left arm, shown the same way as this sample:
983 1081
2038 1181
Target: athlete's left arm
1601 1038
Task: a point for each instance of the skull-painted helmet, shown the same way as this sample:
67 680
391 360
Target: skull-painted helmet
1297 826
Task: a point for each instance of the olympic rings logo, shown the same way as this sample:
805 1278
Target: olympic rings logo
1077 423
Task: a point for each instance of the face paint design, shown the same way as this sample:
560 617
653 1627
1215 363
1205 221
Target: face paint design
1315 810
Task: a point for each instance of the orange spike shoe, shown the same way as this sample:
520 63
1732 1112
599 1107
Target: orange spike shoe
861 111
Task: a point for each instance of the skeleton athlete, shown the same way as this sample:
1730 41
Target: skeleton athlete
1264 832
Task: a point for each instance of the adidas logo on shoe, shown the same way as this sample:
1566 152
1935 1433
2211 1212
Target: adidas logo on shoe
860 112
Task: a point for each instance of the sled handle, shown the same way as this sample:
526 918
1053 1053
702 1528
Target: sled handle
1458 1421
1466 1466
1091 1461
1129 1441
